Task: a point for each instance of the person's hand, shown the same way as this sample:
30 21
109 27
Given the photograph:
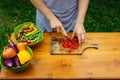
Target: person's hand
56 25
80 32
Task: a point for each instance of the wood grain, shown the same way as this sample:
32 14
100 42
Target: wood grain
103 63
56 47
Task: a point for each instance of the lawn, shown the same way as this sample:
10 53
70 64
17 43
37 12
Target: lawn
102 16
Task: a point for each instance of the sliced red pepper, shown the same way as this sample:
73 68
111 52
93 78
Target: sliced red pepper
69 44
75 39
22 32
25 28
17 36
29 42
24 40
31 29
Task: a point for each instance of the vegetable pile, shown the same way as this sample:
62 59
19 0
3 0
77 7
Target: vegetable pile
29 33
15 55
67 43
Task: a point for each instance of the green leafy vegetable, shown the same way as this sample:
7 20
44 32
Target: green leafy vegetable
28 32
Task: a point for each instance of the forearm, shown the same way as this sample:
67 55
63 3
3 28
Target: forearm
40 5
82 9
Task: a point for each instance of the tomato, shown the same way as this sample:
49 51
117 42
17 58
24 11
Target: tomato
8 52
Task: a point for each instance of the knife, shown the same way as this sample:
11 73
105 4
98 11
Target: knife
68 37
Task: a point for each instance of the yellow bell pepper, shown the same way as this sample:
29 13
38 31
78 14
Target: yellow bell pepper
32 32
23 56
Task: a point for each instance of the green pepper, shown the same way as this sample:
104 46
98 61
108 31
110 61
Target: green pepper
32 26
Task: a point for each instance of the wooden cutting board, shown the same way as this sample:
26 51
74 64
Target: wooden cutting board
57 49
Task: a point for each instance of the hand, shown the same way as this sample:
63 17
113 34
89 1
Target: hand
80 32
56 25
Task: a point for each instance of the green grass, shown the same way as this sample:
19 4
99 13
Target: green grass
102 16
16 12
13 13
4 35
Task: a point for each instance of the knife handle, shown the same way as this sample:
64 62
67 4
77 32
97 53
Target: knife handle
61 31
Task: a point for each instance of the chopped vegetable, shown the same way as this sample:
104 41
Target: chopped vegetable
22 32
8 62
25 28
29 33
23 56
24 40
32 30
69 44
75 39
17 36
